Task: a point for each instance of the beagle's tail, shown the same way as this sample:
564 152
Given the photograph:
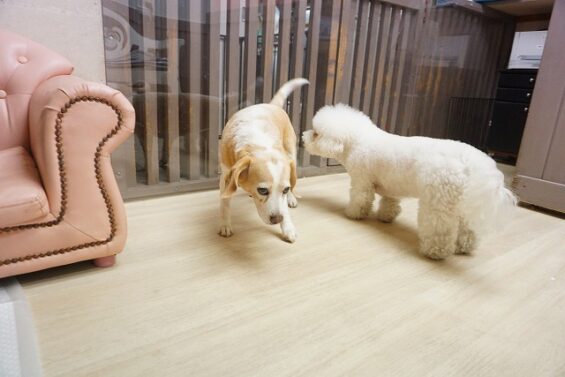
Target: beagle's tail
285 90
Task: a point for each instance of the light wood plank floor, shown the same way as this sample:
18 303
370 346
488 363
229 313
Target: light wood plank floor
347 299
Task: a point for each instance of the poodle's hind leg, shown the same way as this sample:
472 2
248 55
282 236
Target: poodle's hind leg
438 217
467 240
361 197
437 231
389 209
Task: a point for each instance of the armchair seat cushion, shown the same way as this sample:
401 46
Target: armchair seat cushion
22 198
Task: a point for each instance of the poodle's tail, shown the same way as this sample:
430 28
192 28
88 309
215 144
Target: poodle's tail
487 203
285 90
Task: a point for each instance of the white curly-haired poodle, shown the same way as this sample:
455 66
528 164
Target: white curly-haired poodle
461 192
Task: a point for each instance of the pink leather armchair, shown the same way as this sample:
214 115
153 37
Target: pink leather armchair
59 201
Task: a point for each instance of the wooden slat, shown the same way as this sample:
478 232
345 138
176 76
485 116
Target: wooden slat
434 76
250 58
333 52
439 110
466 21
483 34
283 57
151 146
371 56
311 58
385 40
195 88
267 50
409 105
451 88
232 59
345 51
360 52
400 76
332 58
123 158
390 71
213 20
298 65
472 62
173 160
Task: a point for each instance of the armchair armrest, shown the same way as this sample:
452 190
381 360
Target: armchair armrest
74 126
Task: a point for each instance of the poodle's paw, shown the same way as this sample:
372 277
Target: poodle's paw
355 213
289 235
292 201
386 216
436 252
225 231
466 242
389 209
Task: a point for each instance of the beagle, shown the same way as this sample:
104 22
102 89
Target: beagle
258 154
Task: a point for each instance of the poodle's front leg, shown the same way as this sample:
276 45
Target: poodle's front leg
361 197
389 209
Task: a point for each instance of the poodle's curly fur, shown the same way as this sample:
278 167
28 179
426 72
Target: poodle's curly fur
460 190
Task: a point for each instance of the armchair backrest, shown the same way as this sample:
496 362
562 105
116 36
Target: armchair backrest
24 65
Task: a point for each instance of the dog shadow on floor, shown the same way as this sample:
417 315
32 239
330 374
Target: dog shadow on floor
403 236
251 238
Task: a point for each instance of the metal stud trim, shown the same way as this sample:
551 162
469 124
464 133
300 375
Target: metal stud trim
63 185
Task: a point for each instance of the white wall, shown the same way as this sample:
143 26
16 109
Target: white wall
73 28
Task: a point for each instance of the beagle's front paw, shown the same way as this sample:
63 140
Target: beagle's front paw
289 233
225 231
292 201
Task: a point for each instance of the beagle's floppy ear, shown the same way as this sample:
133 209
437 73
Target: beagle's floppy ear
293 175
232 178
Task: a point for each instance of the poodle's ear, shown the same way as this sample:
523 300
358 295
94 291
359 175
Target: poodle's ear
231 180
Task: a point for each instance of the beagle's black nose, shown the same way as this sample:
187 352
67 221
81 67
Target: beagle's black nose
275 219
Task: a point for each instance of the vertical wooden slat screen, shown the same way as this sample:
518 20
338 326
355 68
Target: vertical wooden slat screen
399 76
250 60
332 63
360 52
172 120
232 60
311 66
296 109
371 59
151 137
213 18
123 158
345 54
195 103
390 71
187 66
384 40
283 41
268 31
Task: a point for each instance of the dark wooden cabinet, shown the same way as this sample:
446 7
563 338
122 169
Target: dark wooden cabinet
510 111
